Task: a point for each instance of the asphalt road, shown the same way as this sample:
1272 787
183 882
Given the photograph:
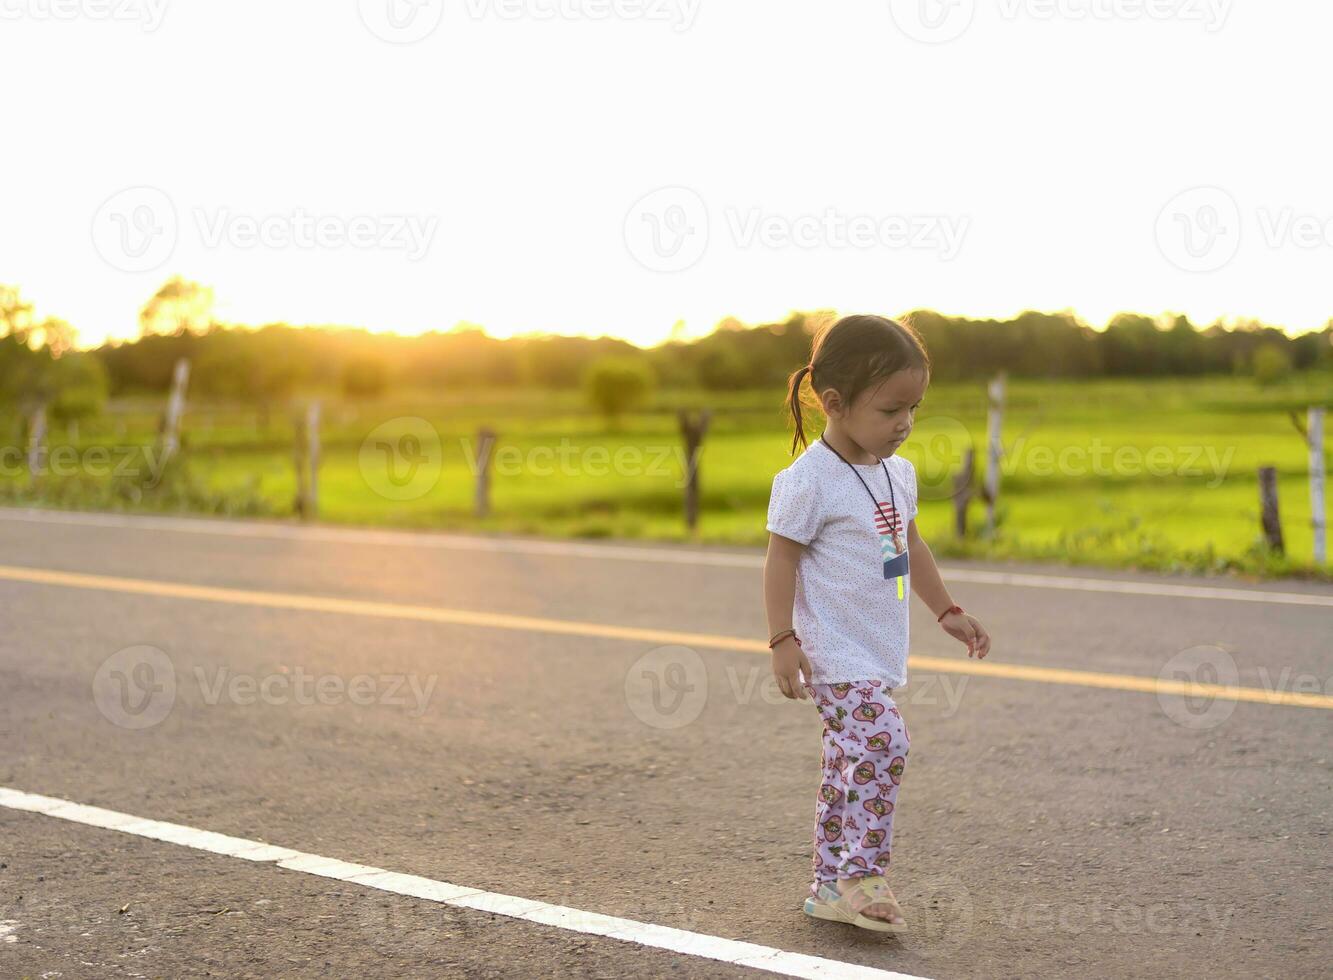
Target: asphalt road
1044 829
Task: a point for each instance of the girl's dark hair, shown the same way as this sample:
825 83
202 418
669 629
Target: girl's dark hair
852 356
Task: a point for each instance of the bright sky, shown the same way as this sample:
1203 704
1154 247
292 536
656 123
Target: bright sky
614 166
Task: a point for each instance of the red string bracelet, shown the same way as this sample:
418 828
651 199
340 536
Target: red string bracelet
940 618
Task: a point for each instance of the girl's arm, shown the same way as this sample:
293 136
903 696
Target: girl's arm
929 585
779 597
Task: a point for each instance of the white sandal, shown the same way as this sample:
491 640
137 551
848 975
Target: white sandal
836 906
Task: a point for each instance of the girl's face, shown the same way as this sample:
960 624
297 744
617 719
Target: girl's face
882 418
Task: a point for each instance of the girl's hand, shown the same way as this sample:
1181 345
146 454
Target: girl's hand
787 658
969 630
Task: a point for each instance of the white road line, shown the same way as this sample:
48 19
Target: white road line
698 944
1170 589
603 552
350 535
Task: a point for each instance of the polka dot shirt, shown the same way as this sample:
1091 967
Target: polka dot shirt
852 583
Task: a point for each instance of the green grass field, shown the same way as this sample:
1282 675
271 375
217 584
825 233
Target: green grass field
1155 474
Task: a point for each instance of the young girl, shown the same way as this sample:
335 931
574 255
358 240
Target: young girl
843 538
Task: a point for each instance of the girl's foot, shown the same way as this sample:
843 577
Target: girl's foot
883 906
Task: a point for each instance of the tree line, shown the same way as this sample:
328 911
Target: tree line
270 363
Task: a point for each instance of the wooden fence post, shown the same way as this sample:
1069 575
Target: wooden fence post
693 428
994 447
302 503
306 458
962 492
1315 437
312 452
180 377
1268 508
36 439
485 443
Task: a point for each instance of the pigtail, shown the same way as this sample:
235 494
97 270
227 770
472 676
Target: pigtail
794 401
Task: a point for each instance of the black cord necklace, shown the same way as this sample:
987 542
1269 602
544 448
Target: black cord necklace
893 528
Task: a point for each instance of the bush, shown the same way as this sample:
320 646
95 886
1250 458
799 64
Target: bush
724 369
364 377
1270 364
81 387
616 384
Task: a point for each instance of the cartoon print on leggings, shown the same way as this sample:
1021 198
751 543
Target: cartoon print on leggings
865 747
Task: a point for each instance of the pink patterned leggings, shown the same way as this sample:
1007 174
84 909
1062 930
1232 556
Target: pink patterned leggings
865 753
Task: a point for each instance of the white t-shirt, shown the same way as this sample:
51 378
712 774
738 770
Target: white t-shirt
850 612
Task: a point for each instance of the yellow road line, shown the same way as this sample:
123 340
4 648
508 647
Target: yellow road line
465 617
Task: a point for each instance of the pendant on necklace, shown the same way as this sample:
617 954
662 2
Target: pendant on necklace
895 561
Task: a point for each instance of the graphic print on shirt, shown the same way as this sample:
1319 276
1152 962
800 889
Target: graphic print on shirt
888 522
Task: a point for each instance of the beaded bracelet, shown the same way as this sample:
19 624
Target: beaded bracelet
940 617
773 641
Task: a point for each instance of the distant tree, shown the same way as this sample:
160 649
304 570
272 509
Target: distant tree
145 365
1313 349
1050 345
81 385
15 314
55 335
1270 363
1182 348
1129 345
616 384
722 368
558 362
227 365
364 377
178 307
26 365
268 364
